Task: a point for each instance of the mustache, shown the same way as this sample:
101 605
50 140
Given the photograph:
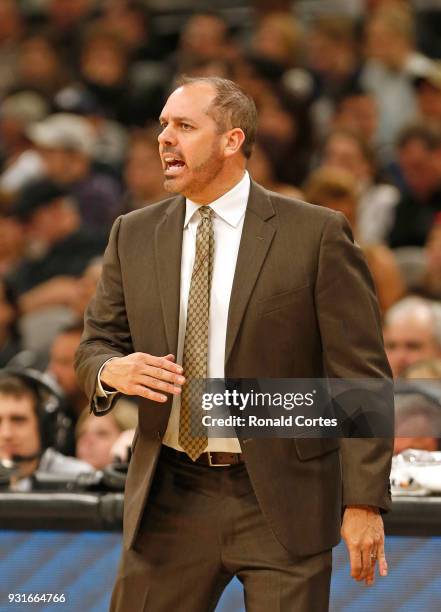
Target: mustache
171 151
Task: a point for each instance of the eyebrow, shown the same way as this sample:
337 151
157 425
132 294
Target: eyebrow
179 119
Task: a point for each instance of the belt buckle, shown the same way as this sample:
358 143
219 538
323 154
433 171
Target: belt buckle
211 464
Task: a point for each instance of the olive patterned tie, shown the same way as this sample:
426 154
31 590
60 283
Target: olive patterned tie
192 434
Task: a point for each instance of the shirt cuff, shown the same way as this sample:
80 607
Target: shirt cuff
100 391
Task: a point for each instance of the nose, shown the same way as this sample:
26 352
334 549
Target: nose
167 136
399 361
5 430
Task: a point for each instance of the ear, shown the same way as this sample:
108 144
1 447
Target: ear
233 140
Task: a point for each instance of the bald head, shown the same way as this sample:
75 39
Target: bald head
412 333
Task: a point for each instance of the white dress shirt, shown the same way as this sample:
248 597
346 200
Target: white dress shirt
229 213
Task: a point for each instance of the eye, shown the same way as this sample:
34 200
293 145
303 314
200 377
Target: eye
186 126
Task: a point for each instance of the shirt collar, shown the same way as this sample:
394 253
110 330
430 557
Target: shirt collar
230 206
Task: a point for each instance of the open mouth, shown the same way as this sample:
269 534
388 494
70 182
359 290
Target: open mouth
173 165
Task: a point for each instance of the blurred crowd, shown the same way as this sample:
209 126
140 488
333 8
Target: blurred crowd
349 100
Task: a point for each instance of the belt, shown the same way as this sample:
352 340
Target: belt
210 458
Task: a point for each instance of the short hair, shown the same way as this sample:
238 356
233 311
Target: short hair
363 146
101 34
408 405
15 386
428 134
413 303
125 414
326 184
231 108
397 19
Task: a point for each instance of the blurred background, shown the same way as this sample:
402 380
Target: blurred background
349 100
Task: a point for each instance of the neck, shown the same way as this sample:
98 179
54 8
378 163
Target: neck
27 468
224 182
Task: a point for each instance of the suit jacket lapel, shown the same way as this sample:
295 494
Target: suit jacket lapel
257 236
168 248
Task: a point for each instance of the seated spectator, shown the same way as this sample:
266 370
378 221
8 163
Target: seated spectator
143 171
66 143
52 223
22 434
110 137
204 36
428 93
65 20
262 171
19 163
17 112
70 296
39 66
130 20
392 63
419 164
57 363
412 333
417 422
337 189
96 436
412 423
61 368
376 203
356 110
105 74
278 37
284 131
333 56
61 365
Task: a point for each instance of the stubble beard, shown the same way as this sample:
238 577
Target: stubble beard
202 176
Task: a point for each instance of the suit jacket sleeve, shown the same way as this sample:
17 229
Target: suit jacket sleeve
352 343
106 329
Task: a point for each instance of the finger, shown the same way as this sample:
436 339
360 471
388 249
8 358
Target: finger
366 551
163 363
382 563
161 374
370 578
170 357
149 394
160 385
355 561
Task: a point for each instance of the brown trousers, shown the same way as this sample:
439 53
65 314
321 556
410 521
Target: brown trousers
202 526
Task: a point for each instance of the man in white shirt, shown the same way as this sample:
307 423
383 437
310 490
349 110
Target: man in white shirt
236 282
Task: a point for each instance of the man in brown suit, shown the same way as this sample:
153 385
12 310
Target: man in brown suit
290 296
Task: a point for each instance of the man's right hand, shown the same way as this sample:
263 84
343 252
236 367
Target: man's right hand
143 374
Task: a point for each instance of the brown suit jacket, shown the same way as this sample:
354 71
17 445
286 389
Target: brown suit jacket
302 305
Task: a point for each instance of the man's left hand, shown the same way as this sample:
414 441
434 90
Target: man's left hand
363 533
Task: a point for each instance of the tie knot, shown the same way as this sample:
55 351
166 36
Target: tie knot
206 212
